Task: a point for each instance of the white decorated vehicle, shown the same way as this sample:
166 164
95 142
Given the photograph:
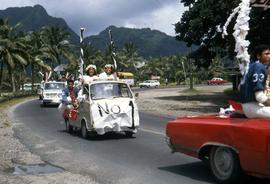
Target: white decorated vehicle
105 106
52 92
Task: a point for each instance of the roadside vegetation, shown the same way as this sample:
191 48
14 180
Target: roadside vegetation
7 97
24 54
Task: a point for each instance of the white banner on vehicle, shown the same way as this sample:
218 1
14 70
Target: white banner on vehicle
114 114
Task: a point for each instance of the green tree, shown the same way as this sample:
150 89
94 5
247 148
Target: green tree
12 49
216 68
93 56
199 25
55 40
129 58
36 54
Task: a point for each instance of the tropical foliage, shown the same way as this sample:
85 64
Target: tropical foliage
201 24
23 55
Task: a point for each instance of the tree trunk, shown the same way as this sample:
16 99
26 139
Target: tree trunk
1 72
191 81
12 79
32 76
191 78
13 83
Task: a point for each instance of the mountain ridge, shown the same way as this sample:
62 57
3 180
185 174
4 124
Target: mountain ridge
34 18
150 43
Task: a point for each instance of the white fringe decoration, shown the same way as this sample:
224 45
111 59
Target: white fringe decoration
241 29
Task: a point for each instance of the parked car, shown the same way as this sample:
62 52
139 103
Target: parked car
216 81
228 144
28 86
149 83
52 93
105 106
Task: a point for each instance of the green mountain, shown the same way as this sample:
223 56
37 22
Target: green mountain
150 43
33 18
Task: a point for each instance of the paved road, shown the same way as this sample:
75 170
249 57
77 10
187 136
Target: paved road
111 158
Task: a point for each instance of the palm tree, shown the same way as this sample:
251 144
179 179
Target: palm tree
131 57
93 56
55 40
36 54
130 49
12 49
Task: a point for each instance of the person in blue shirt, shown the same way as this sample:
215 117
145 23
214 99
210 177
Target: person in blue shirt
70 94
254 101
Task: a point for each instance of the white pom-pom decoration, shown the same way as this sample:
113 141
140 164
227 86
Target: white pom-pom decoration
241 29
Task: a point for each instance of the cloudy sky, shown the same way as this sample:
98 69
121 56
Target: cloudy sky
96 15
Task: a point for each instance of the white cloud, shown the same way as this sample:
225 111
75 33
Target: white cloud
162 19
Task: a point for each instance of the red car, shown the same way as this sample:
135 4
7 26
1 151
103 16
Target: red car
216 81
231 145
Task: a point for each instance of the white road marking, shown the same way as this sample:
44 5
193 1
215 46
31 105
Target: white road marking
152 131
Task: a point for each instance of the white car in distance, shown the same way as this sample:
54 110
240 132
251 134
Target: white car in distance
52 93
149 83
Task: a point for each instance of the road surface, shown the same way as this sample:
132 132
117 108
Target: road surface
111 158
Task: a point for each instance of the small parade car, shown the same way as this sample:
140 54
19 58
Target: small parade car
51 92
105 106
230 144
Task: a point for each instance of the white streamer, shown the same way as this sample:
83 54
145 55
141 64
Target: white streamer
241 29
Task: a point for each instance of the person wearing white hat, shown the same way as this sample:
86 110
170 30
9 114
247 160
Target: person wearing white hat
91 75
108 73
91 71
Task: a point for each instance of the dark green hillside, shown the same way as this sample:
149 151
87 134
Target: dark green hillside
33 18
150 43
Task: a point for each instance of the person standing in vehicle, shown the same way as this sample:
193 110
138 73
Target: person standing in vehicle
108 73
91 71
69 95
255 102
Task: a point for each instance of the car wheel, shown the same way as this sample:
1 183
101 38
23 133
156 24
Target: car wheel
224 164
69 128
129 134
84 130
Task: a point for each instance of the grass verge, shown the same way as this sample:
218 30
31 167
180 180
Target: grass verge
10 102
190 91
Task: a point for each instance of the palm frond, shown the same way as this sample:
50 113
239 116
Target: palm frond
20 59
9 60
